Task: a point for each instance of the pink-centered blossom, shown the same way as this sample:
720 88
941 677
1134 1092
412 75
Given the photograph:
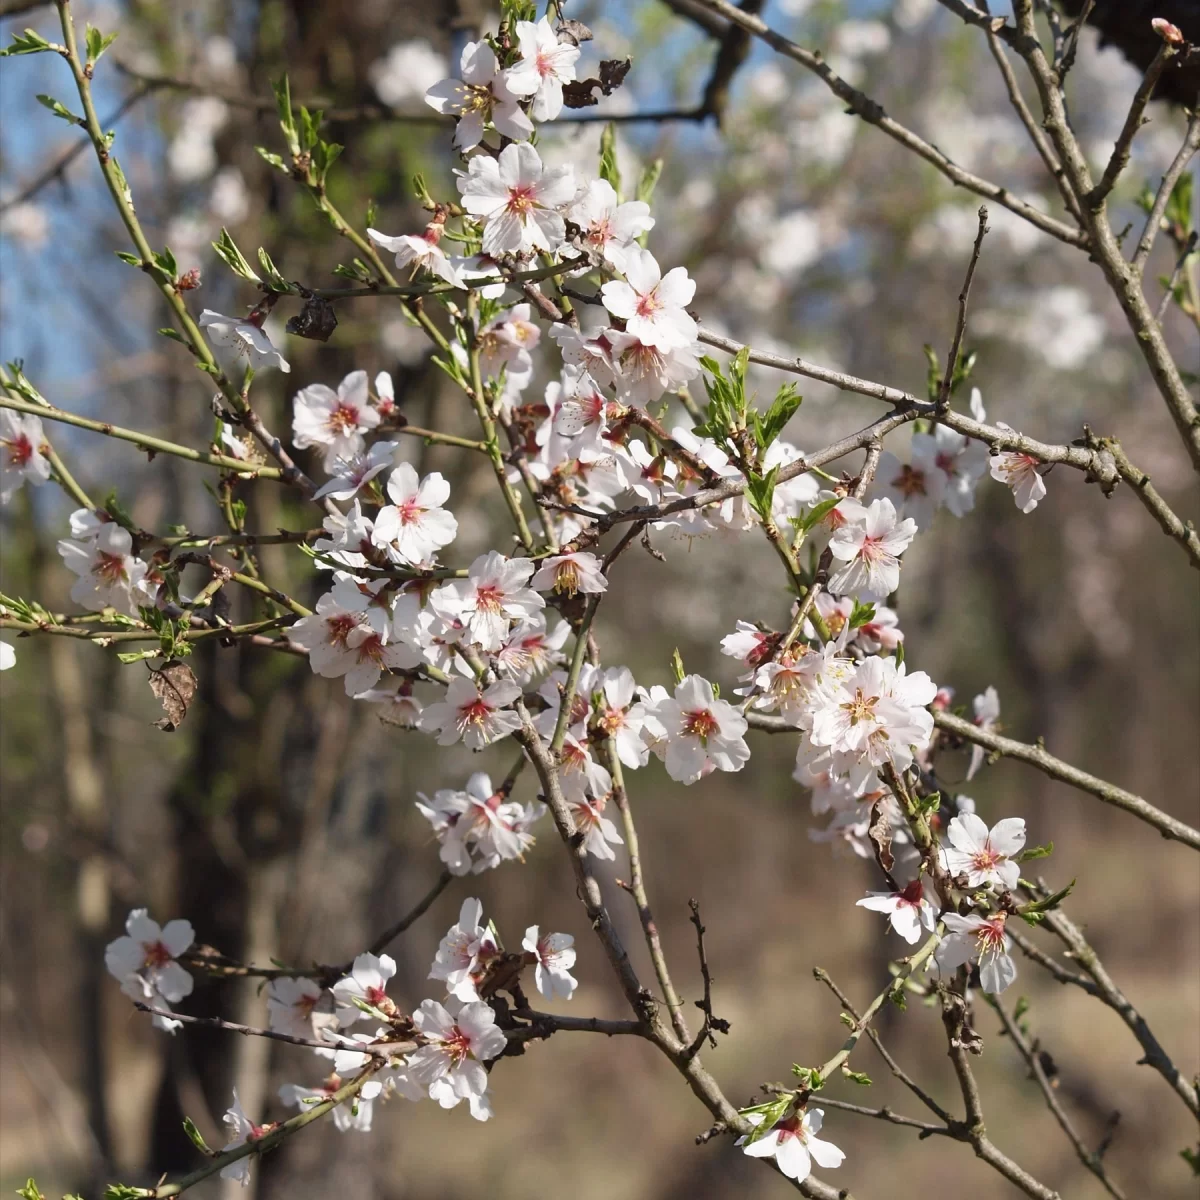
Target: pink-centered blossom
987 714
702 733
517 199
1019 472
476 716
869 544
480 97
544 66
907 910
109 575
367 982
150 950
568 574
554 956
609 227
794 1145
239 345
461 1038
290 1005
21 458
652 304
421 252
981 940
985 856
415 525
334 421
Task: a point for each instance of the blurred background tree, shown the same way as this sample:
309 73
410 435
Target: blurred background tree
280 817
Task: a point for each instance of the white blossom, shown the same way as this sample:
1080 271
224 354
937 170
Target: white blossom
981 940
986 857
554 954
477 716
415 526
702 733
908 911
652 304
481 96
367 981
109 575
238 344
987 714
1019 472
794 1145
21 452
869 543
334 421
544 66
570 573
461 1038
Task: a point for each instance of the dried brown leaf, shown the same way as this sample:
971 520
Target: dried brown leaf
174 685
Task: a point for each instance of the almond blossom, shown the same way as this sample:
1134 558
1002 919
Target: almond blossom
702 733
652 304
420 251
239 345
482 96
869 544
461 1038
874 716
793 1144
415 526
325 634
985 857
908 911
554 954
979 940
531 649
477 716
21 457
494 594
568 574
109 575
609 227
517 199
987 714
367 981
544 66
464 953
599 833
622 716
350 474
241 1130
290 1005
335 421
1020 473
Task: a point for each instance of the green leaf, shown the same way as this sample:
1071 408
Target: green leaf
760 491
122 182
1050 902
818 513
648 181
858 1077
863 614
287 119
196 1138
372 214
28 42
1035 852
1022 1007
772 1113
785 406
118 511
608 158
30 1191
169 331
275 281
1189 1156
324 155
59 110
677 670
133 260
1179 206
310 124
357 270
233 258
97 43
274 159
122 1191
810 1077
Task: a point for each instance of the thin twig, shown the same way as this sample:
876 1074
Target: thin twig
1036 755
711 1022
1145 243
1185 253
1030 1053
960 327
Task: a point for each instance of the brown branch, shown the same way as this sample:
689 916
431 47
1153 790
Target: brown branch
1191 143
1029 1051
1036 756
873 113
1154 1055
711 1021
960 327
1119 159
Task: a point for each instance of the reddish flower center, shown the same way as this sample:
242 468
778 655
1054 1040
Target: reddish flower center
700 724
872 549
337 629
945 463
522 200
410 511
544 64
913 894
475 712
985 859
157 955
489 598
20 450
613 720
989 937
649 304
601 233
109 567
343 419
375 996
370 649
910 482
457 1044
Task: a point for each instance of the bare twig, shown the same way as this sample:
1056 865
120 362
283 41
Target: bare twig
711 1022
1029 1051
1145 243
873 113
1036 755
960 327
